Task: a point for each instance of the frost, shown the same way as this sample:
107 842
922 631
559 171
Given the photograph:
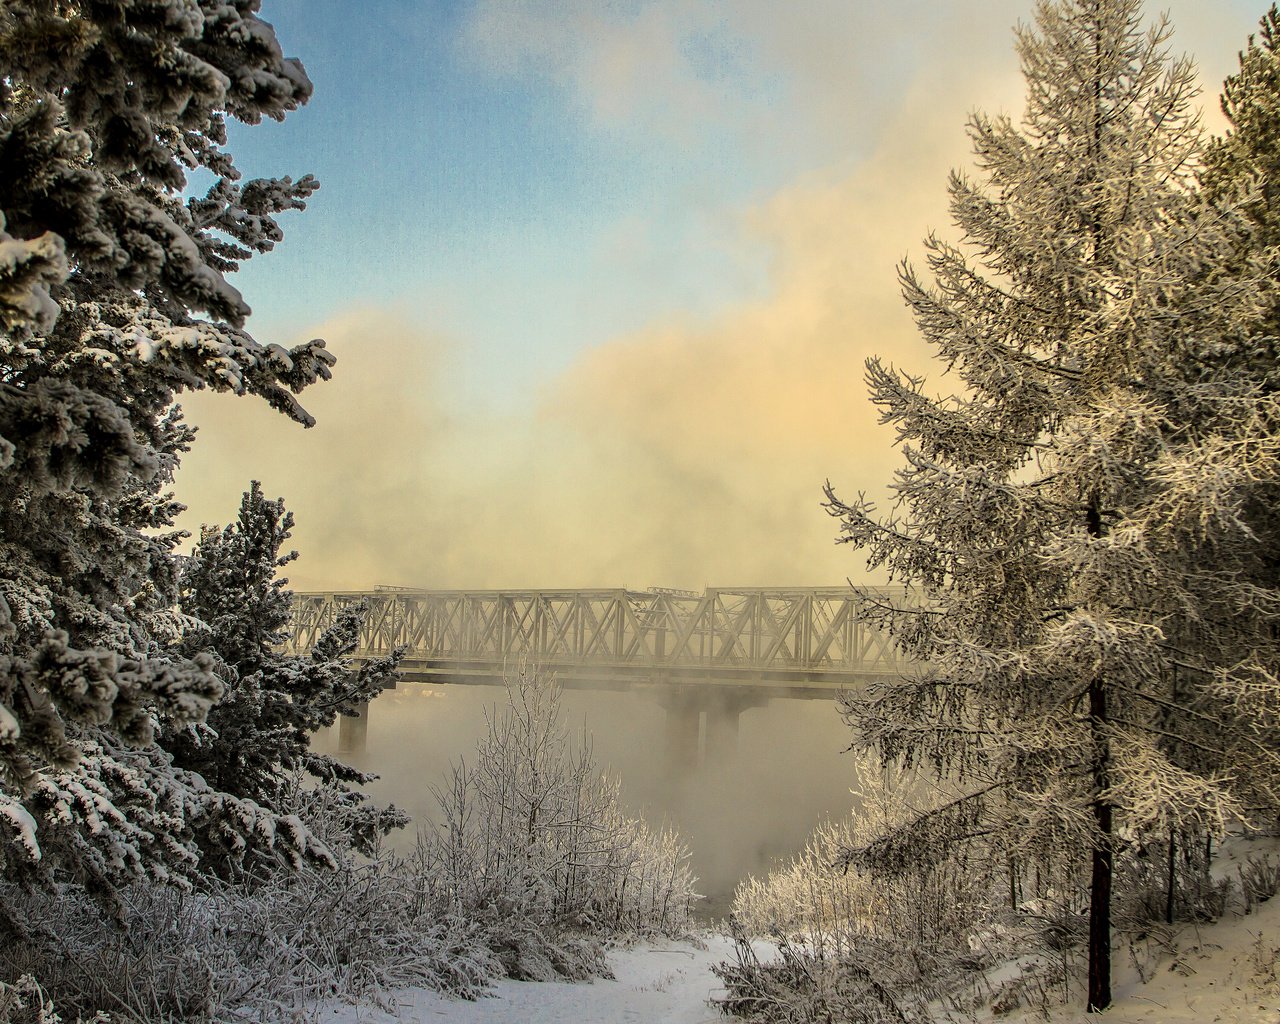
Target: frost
28 268
21 825
10 730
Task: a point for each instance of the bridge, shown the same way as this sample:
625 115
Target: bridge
706 657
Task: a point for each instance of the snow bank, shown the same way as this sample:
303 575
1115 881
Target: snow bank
1225 972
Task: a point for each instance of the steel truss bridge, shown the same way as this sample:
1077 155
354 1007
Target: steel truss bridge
785 642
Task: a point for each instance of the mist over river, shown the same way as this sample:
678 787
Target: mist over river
738 817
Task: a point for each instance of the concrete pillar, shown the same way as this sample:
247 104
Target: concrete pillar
683 720
353 731
721 746
702 728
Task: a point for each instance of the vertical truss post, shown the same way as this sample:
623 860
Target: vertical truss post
778 636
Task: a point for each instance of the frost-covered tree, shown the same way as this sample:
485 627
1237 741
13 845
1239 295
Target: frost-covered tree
1076 522
1245 162
532 836
1243 166
255 742
113 299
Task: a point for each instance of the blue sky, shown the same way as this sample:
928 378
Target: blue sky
601 276
488 198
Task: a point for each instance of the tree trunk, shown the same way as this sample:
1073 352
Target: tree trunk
1100 880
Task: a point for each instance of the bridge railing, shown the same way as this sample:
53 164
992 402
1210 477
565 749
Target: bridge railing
812 630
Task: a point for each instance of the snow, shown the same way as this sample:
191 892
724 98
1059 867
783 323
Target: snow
22 824
1224 972
670 982
1227 972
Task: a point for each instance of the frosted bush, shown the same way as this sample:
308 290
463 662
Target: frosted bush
534 828
818 901
533 865
259 949
856 944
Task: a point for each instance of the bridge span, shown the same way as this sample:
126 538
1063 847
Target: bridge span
706 657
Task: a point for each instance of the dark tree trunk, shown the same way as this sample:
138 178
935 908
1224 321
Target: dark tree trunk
1171 894
1100 880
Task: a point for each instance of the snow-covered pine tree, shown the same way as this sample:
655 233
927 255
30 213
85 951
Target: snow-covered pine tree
255 742
1071 521
113 299
1242 168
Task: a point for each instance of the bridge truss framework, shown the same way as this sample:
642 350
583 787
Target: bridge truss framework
785 642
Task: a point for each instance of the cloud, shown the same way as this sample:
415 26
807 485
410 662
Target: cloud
723 430
814 86
691 451
634 68
356 480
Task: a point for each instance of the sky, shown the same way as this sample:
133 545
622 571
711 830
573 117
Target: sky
601 278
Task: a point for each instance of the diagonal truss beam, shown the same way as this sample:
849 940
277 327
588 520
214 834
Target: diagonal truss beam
775 633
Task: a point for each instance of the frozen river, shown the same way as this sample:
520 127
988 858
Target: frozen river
737 816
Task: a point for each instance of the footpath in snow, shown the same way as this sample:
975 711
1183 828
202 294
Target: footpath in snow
660 983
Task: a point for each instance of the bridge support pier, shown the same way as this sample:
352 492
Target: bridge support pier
702 728
683 726
353 731
720 735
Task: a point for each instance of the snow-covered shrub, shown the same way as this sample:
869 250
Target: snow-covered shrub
534 863
1264 959
820 900
270 948
914 931
1259 881
1166 878
800 987
832 911
25 1002
532 836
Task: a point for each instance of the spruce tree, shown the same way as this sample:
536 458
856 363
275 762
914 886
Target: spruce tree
1069 522
114 298
255 743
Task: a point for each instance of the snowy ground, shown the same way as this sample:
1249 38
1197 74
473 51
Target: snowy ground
1228 972
1224 973
665 983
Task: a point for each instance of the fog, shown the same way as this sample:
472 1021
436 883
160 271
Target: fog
738 817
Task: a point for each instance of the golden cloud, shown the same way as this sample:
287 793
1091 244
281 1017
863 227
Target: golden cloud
691 452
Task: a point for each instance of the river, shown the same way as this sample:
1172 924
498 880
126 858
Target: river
738 817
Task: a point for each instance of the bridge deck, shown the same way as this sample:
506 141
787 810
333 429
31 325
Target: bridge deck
789 641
